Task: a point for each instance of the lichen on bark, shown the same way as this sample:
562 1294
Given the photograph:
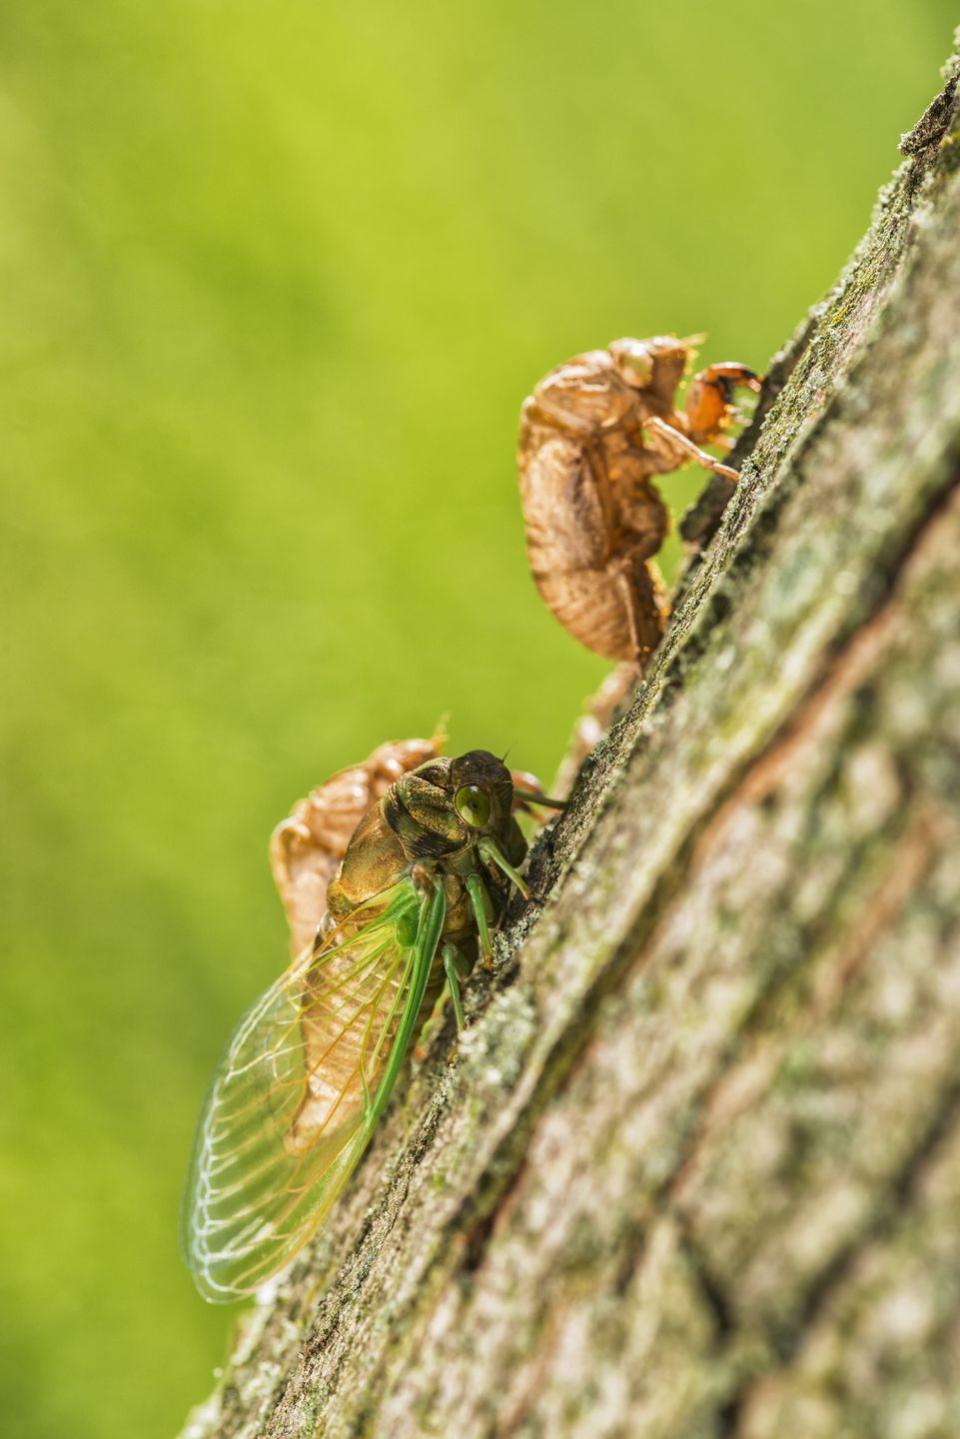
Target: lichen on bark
694 1167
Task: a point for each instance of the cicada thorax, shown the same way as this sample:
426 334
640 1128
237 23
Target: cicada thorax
375 859
308 847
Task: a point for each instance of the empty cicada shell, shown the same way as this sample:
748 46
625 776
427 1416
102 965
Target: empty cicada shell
592 435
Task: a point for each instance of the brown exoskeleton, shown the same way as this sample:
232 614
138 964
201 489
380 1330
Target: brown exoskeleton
592 435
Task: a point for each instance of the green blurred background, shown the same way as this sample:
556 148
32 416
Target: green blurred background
276 277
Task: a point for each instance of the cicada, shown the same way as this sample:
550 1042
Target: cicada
592 435
309 1070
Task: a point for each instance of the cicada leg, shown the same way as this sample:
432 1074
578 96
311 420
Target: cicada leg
456 968
482 907
492 854
709 405
684 451
451 958
529 794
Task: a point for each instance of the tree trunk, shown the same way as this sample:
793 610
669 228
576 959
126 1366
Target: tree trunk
694 1167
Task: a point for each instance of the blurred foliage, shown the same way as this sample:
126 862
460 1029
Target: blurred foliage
276 278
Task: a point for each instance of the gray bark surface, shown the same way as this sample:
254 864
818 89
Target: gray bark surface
694 1167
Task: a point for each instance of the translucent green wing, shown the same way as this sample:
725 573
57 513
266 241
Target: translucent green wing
299 1091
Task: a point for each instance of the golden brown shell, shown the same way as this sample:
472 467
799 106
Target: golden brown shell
592 435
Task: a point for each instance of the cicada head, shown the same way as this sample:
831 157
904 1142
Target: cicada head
448 804
657 365
482 790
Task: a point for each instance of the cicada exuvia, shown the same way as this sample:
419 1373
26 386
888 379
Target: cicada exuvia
593 435
423 880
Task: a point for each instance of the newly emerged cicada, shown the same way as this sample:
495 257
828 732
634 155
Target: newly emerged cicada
423 879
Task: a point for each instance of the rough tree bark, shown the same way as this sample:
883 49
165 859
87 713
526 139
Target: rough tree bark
695 1167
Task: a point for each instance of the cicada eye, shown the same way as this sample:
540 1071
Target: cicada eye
472 805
